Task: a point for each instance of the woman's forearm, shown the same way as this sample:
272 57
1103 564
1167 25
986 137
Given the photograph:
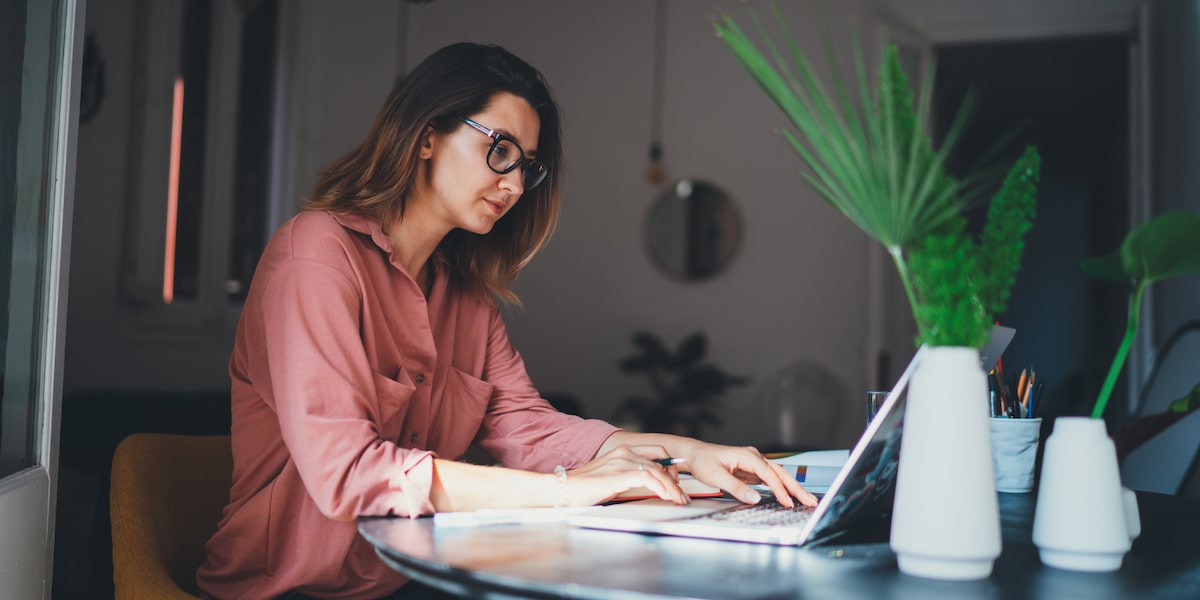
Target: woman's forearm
462 486
675 445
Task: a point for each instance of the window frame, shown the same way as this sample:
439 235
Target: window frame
158 32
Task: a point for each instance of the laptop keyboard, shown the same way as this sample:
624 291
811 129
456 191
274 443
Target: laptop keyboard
770 512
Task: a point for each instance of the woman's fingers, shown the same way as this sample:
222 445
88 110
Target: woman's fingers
782 484
785 486
662 480
740 467
647 456
789 480
737 488
664 485
627 467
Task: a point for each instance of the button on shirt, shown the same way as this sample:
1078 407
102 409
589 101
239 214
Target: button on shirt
346 382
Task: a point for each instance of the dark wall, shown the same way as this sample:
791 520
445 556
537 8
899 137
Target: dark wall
1069 97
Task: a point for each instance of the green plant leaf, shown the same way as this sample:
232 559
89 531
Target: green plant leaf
1009 218
1165 246
1187 403
703 381
649 342
691 350
949 312
870 160
868 155
652 347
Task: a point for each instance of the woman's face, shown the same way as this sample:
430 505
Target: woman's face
461 190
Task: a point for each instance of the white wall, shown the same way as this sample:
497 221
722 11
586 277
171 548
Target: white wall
339 60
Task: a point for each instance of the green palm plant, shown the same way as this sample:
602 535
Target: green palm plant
961 282
869 158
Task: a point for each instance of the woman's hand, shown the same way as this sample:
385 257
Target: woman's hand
734 469
623 468
730 468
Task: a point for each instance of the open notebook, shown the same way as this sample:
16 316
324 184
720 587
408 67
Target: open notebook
861 492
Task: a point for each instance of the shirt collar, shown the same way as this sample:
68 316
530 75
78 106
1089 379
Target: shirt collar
369 226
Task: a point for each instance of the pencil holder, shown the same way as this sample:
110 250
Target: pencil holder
1014 451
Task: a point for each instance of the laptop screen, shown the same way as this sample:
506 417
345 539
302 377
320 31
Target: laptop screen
864 490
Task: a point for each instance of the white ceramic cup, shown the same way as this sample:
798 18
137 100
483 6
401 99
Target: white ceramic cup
1014 451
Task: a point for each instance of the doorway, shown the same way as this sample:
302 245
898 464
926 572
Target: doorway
1070 98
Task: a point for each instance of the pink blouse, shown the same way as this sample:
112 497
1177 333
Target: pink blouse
346 382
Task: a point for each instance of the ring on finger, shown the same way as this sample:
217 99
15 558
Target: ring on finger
641 467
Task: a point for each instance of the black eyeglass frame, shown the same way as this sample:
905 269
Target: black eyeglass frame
538 175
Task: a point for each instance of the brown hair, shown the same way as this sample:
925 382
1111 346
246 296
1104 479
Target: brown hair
375 177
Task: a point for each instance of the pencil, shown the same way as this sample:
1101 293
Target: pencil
1021 386
1029 387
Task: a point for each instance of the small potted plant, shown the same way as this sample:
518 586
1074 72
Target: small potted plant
1164 247
684 388
1080 494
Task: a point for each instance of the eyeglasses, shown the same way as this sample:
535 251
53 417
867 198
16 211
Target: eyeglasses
506 154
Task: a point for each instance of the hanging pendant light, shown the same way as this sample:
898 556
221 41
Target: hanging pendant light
656 172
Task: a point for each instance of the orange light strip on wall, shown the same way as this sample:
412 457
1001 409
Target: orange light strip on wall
173 192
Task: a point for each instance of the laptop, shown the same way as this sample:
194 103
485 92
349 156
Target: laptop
997 343
861 492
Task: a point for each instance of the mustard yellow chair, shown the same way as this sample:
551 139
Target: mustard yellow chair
166 498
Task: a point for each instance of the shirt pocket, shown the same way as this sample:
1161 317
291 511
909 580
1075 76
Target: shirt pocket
464 403
393 397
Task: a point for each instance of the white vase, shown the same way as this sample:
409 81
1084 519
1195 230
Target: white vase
1085 520
946 520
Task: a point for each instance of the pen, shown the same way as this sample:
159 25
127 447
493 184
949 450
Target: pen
1035 397
666 462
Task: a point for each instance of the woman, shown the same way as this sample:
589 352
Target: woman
371 352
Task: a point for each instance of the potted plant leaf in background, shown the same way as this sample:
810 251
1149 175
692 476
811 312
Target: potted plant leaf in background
1164 247
1081 493
869 157
684 388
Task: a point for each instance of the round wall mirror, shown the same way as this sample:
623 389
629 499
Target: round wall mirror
693 230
